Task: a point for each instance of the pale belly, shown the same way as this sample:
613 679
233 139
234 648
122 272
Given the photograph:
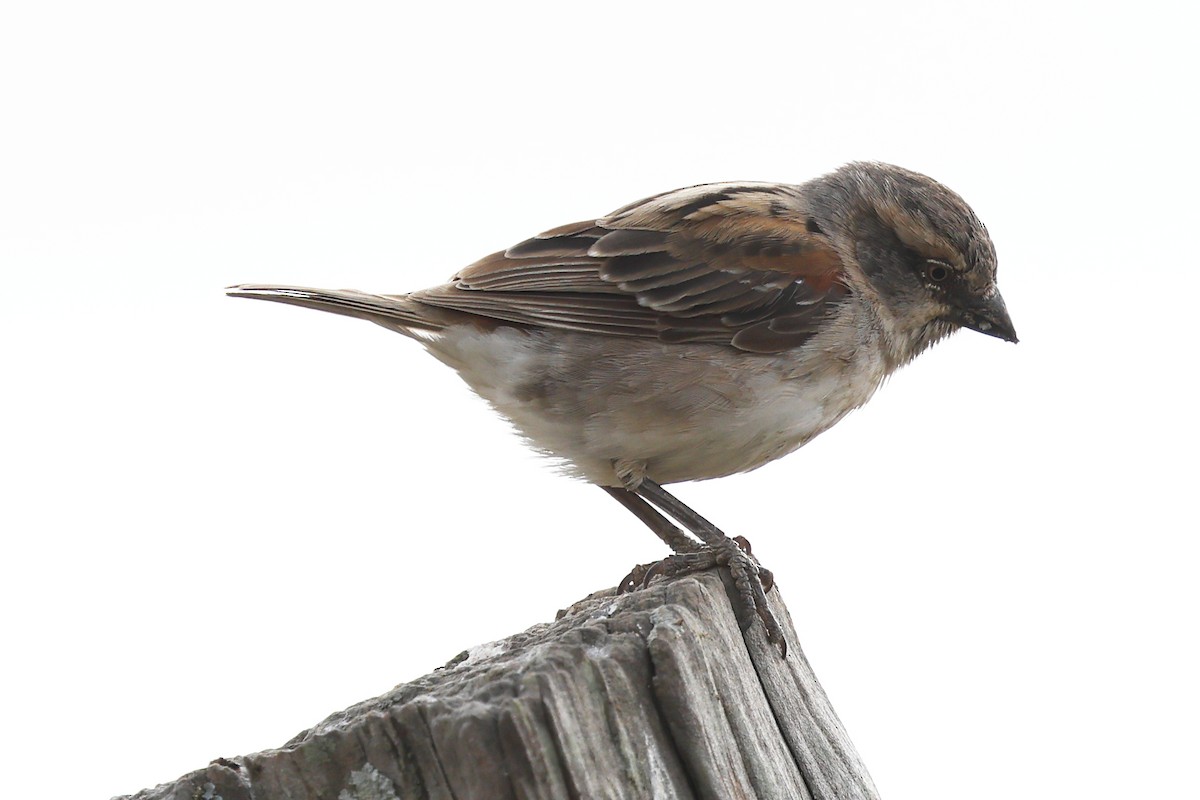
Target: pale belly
612 409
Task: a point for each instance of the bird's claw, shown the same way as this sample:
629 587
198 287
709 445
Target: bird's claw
751 580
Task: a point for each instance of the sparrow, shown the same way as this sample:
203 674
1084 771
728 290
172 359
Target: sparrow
702 332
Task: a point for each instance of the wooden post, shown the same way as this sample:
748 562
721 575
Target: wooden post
654 694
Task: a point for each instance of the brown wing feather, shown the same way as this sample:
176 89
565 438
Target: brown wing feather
734 264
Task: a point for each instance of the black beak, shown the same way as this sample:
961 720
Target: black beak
986 315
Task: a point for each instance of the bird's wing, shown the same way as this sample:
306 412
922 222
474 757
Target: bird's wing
734 264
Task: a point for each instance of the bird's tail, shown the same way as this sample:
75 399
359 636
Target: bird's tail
395 312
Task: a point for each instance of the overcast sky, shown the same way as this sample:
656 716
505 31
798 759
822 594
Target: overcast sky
224 520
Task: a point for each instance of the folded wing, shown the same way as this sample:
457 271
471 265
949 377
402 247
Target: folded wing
735 264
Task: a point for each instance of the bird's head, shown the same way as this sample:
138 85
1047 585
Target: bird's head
915 248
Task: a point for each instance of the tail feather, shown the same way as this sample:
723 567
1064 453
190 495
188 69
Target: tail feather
395 312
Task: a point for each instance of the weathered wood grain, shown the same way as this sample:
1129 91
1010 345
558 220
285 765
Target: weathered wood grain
655 694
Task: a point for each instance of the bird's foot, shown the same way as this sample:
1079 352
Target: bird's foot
752 581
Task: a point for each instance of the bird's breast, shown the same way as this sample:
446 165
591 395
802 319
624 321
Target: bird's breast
778 409
684 411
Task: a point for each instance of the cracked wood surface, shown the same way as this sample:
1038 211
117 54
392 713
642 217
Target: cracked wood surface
654 694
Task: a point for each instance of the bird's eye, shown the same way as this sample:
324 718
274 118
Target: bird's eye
936 271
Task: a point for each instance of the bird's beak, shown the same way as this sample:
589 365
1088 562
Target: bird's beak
986 315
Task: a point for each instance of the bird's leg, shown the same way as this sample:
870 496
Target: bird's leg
712 536
675 539
699 556
663 528
752 581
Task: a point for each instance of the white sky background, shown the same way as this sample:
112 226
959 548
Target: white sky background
223 520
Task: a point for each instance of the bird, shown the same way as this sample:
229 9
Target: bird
702 332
